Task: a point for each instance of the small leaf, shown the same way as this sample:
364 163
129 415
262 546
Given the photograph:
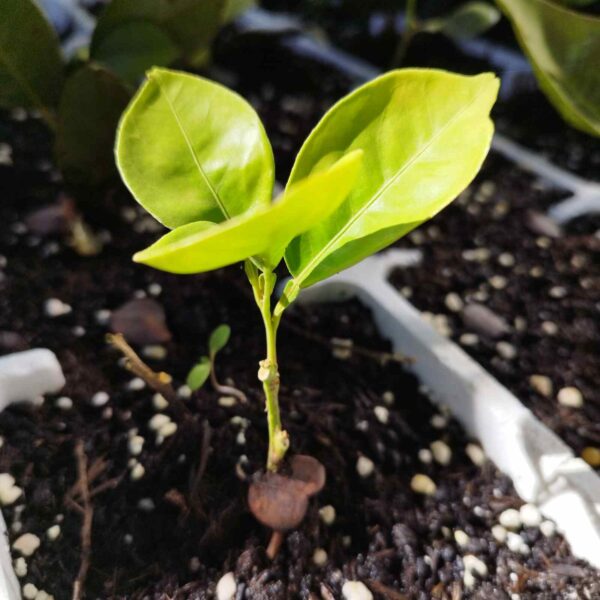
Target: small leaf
199 374
468 21
563 47
132 48
424 134
218 339
191 150
203 246
90 107
31 66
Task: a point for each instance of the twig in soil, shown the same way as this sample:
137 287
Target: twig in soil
87 509
381 357
387 592
159 382
277 538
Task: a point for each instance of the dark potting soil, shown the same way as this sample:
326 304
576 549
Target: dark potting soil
488 249
153 538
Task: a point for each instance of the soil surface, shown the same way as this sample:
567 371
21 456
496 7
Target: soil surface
172 528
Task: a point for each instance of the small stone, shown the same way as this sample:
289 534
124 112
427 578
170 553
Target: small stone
557 292
53 532
146 505
155 352
477 255
530 515
27 544
510 518
9 492
194 564
461 538
439 421
520 324
137 472
240 438
320 557
102 316
536 271
476 454
20 567
159 402
327 514
100 399
158 421
515 543
155 289
542 385
454 302
543 242
425 456
469 339
549 328
548 528
441 452
499 532
184 391
506 260
226 587
498 282
227 401
136 384
53 307
136 445
506 350
388 397
484 321
571 397
364 466
64 403
591 455
475 565
168 429
422 484
382 414
356 590
43 595
29 591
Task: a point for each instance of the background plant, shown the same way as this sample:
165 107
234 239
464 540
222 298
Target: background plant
382 161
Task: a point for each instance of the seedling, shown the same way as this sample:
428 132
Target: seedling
382 161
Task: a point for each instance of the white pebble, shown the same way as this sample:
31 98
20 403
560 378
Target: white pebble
506 259
138 471
548 528
506 350
454 302
530 515
53 532
356 590
382 414
27 544
227 401
498 282
159 402
184 391
240 438
476 454
571 397
320 557
155 352
422 484
64 403
439 421
43 595
425 456
469 339
102 316
542 385
473 566
327 514
158 420
54 307
9 492
168 429
155 289
499 533
29 591
515 543
226 587
364 466
557 292
136 444
100 399
146 504
20 566
461 538
388 397
136 384
510 518
441 452
549 328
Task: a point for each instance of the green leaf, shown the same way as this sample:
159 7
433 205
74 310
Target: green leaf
90 107
563 47
31 66
468 21
191 150
199 374
132 48
424 134
202 246
218 339
191 24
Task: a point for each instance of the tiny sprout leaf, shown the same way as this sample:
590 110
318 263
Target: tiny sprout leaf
191 150
467 21
203 246
564 49
218 339
424 133
199 374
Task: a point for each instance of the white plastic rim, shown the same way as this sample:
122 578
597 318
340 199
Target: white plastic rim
543 468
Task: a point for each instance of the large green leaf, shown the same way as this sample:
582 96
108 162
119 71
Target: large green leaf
132 48
202 246
192 24
564 49
89 111
31 67
191 150
424 134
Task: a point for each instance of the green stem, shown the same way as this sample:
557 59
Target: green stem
268 373
411 29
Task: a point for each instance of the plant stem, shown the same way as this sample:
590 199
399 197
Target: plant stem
410 30
268 373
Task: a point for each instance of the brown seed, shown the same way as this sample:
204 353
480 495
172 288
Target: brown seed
53 219
309 470
141 321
